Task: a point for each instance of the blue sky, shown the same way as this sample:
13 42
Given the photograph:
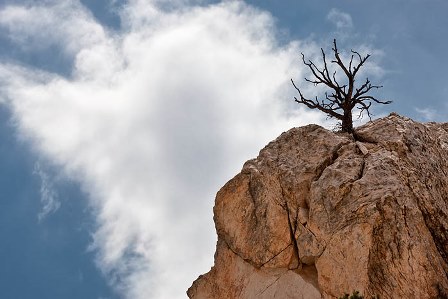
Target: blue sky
121 119
47 258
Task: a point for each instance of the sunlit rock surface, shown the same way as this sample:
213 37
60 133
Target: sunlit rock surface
318 214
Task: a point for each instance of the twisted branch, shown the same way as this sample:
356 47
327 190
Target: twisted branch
342 98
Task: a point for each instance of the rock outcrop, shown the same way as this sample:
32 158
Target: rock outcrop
318 214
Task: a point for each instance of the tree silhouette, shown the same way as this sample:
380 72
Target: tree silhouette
340 101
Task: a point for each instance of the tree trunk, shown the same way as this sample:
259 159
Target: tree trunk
347 122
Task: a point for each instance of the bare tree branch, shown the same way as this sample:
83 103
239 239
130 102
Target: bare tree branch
341 99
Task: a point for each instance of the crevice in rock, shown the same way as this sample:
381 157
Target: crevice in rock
328 161
275 255
237 254
361 171
350 183
282 202
292 233
295 261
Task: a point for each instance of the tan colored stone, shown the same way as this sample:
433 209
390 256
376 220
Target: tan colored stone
318 214
232 277
362 148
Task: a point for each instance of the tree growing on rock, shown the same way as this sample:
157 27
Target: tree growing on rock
341 99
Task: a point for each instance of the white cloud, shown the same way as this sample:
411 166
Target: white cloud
431 114
340 19
64 24
152 121
426 113
48 195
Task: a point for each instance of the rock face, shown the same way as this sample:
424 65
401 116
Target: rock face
318 214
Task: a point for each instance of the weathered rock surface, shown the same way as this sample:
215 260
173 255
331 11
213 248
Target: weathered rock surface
318 214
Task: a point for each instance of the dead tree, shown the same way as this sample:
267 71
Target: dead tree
340 101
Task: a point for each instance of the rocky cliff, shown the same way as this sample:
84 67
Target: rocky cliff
318 214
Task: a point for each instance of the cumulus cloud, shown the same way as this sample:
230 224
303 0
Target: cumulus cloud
340 19
152 120
66 24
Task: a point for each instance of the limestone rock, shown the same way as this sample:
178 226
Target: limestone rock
318 214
